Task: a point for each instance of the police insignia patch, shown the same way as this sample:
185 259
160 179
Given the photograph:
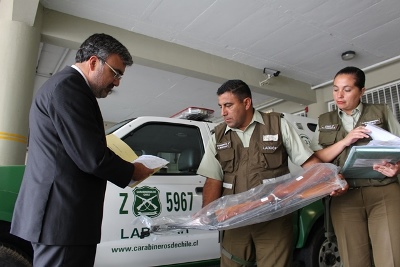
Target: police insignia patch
146 201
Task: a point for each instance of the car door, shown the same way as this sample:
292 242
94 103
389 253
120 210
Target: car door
174 190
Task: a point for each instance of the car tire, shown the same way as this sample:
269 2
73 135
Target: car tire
318 251
12 257
329 254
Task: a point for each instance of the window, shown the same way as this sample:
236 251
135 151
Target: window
301 113
388 94
116 126
181 145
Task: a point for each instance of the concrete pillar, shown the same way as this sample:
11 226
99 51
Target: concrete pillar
19 48
321 106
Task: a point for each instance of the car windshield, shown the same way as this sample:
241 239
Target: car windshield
117 126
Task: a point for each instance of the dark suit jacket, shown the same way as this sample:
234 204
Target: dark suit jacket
61 198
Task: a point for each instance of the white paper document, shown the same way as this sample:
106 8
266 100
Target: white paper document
380 134
151 162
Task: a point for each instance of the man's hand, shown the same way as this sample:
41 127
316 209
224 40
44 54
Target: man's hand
141 172
340 191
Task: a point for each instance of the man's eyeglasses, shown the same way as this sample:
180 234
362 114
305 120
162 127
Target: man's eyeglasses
117 75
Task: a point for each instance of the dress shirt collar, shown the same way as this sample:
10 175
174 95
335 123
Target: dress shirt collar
79 70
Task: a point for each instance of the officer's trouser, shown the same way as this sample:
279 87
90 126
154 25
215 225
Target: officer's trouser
368 216
268 243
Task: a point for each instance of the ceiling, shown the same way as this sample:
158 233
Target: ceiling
303 40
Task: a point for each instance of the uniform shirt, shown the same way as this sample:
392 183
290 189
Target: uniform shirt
349 121
297 150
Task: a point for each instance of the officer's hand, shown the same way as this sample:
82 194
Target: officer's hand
356 134
387 169
340 191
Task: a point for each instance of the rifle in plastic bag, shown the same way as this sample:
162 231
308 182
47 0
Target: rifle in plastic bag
262 203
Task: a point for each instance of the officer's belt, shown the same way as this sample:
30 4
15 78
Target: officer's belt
236 259
232 257
360 182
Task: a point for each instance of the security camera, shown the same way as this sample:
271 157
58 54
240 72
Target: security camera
275 73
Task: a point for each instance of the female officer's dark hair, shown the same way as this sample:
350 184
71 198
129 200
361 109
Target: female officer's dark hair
237 87
358 74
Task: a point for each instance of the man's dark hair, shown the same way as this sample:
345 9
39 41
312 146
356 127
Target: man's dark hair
358 74
237 87
102 46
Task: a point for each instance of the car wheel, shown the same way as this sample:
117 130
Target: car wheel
11 257
318 251
329 254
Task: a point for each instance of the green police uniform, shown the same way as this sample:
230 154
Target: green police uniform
242 160
368 213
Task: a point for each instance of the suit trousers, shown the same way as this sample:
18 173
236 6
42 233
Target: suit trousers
368 219
63 256
268 243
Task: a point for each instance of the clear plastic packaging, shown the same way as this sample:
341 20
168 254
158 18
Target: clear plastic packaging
265 202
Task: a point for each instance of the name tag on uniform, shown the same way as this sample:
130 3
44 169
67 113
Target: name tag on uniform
373 122
329 127
269 148
223 146
226 185
270 137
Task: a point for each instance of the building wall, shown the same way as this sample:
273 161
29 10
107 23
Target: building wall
374 78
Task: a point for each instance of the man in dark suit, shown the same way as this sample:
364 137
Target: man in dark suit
60 205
